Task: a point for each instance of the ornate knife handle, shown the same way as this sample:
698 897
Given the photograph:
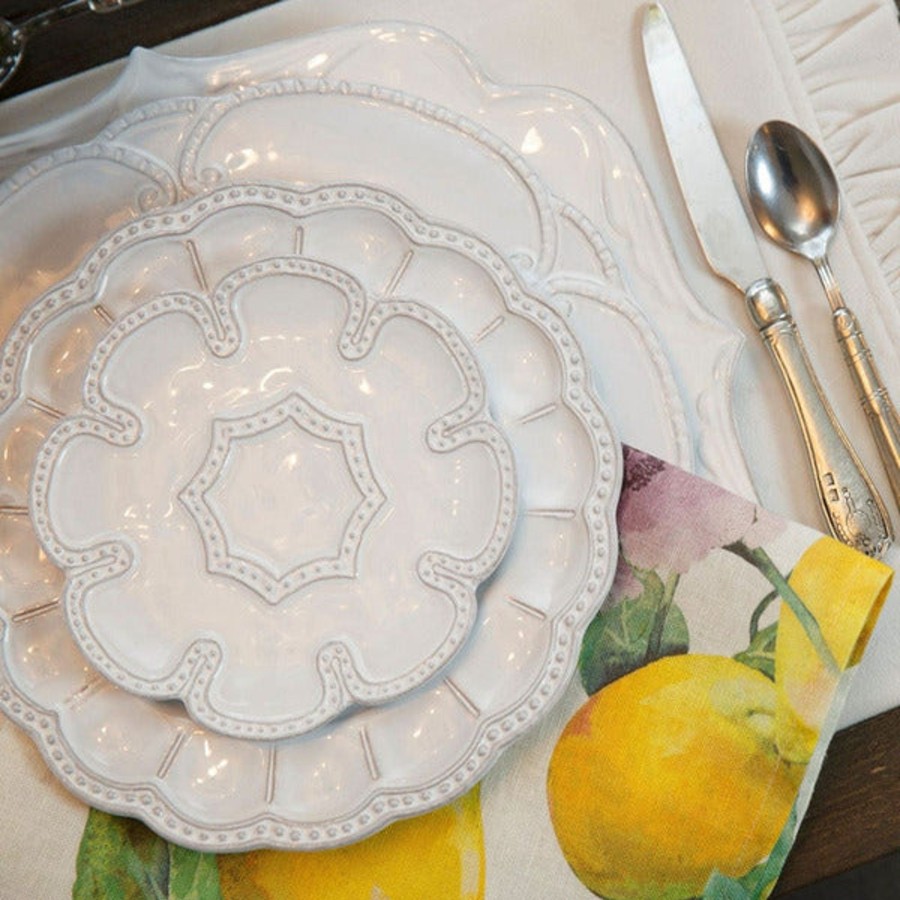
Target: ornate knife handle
855 512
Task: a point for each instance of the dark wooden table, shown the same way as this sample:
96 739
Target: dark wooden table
849 844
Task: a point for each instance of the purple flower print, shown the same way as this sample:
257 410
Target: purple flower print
669 519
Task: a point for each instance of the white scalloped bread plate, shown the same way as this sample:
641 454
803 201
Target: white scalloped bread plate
281 489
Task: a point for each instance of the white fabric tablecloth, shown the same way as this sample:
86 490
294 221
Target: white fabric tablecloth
832 66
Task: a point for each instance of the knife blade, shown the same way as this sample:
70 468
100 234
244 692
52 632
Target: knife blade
853 509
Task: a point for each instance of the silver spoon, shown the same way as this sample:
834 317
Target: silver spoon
15 35
794 194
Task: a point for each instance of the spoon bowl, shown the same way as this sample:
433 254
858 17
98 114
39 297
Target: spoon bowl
793 189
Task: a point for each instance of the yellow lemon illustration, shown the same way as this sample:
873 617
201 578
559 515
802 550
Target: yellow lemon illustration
439 856
844 591
667 774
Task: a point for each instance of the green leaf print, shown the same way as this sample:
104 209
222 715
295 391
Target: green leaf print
720 887
632 633
121 859
760 655
192 875
757 556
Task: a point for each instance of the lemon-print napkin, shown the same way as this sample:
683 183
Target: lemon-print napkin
713 672
678 765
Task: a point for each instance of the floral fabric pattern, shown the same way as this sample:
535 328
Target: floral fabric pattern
679 775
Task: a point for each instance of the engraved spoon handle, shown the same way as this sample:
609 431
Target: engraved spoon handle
855 513
873 394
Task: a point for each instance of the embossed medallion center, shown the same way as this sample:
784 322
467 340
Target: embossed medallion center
284 497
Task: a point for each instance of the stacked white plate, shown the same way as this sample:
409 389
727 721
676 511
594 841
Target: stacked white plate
309 482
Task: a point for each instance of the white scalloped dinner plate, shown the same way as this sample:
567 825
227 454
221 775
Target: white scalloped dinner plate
243 259
605 260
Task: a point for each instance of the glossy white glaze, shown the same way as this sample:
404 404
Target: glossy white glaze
294 435
456 333
538 171
609 274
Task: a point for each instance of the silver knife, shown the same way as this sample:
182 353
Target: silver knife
853 509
